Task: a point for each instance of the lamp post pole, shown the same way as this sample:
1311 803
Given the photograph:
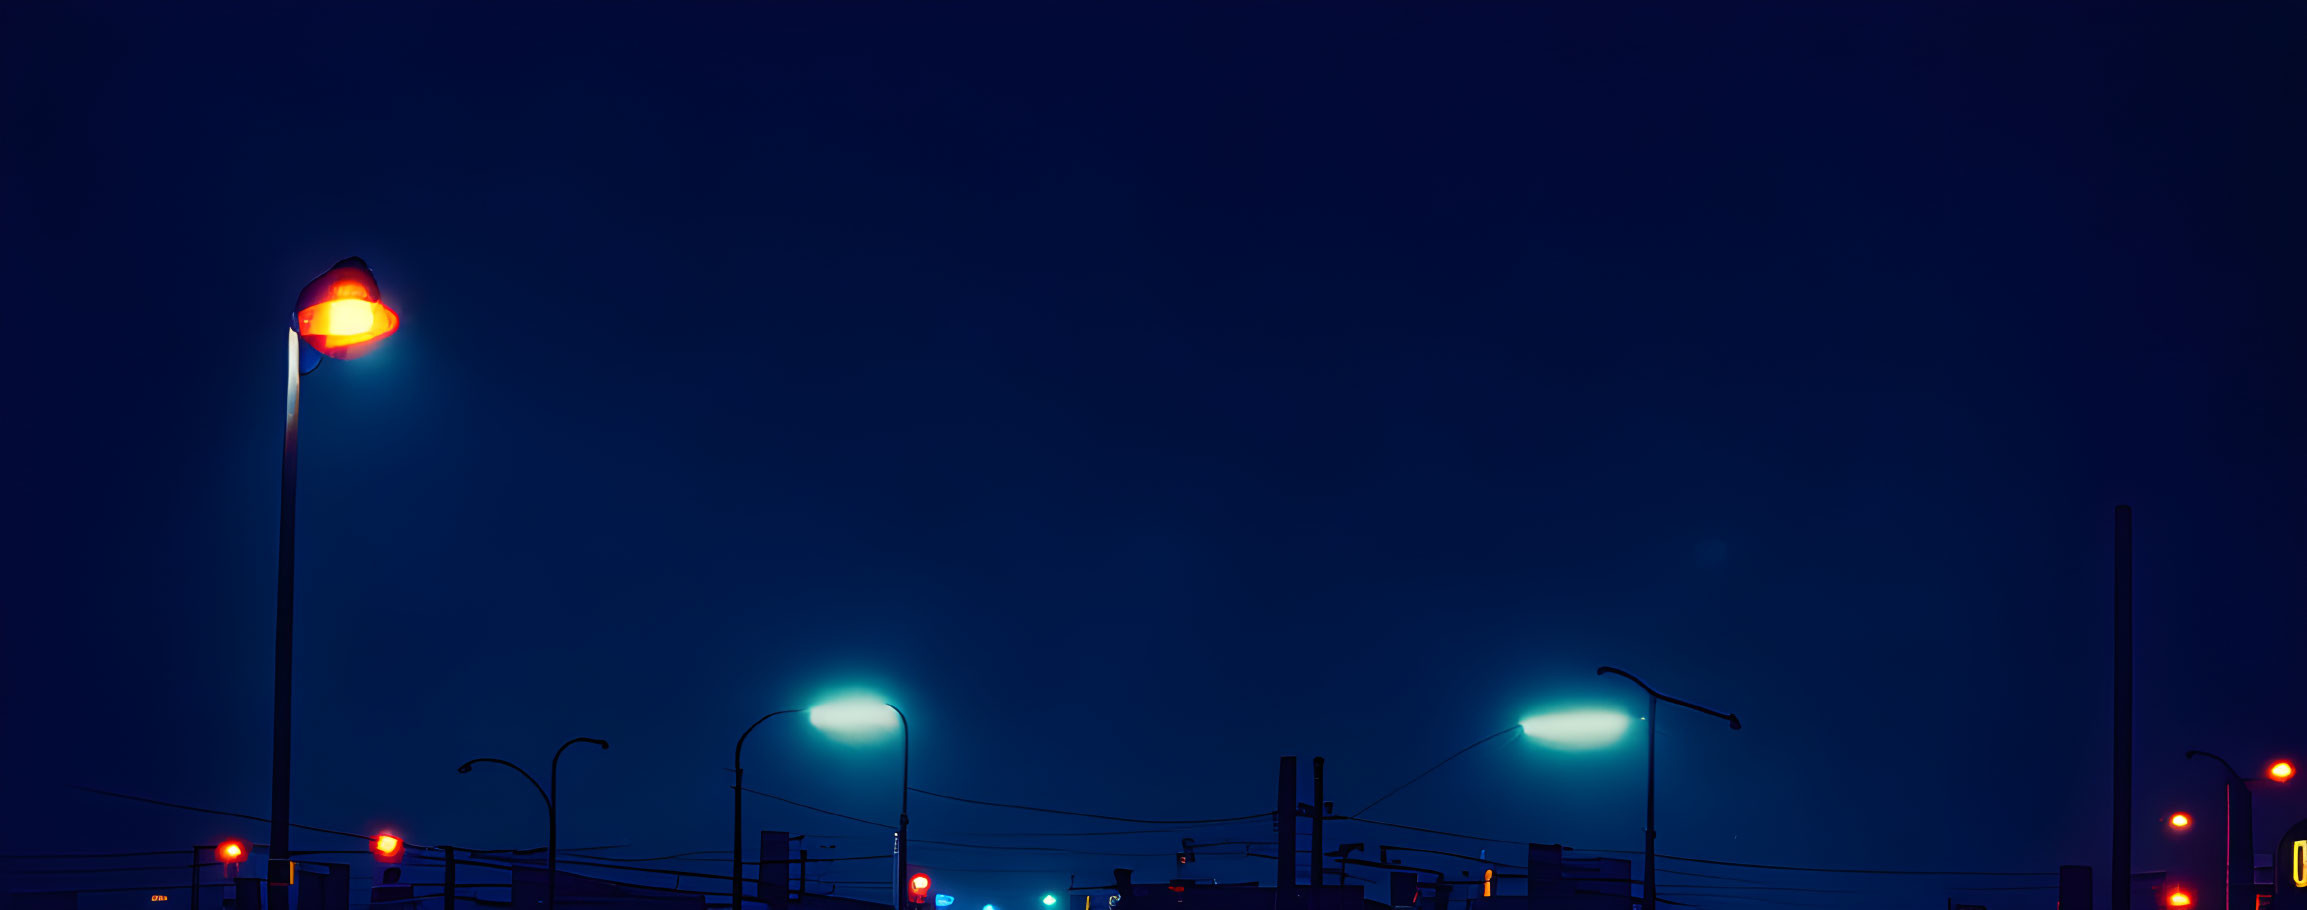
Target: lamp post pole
1650 812
552 798
2242 880
343 315
904 800
737 823
277 862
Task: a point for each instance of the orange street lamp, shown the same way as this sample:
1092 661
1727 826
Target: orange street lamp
2180 899
342 315
2280 772
386 847
2181 821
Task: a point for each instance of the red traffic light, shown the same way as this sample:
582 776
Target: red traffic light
917 889
386 847
231 851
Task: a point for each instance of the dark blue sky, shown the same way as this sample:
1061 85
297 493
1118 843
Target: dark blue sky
1139 394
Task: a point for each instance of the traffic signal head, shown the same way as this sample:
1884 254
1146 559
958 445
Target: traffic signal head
917 889
2280 771
386 847
231 851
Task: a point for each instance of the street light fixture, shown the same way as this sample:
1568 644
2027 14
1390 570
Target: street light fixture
2242 879
853 717
2181 821
552 799
1650 823
343 315
737 819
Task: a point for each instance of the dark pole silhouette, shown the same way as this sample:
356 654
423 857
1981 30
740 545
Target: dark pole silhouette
904 800
552 800
2242 879
1650 813
737 821
2122 874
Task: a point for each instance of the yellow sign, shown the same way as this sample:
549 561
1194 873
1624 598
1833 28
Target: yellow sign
2299 863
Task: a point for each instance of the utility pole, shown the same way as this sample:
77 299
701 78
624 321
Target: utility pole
1314 854
1285 830
2122 877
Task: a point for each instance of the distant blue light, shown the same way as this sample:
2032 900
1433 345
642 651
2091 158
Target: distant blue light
945 900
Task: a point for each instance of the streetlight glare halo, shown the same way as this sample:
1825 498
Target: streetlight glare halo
854 718
1591 728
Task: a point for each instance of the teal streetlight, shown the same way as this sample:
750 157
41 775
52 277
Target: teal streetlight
855 718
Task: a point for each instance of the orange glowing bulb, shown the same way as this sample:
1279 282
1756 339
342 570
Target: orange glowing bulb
230 851
2182 899
345 316
387 845
2180 820
920 882
2280 771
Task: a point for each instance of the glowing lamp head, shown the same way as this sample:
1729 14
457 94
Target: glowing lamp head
855 720
341 313
1049 900
2181 820
231 852
2180 899
1591 729
385 846
917 889
2281 771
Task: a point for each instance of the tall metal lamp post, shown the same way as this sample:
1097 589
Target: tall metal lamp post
342 315
1650 816
552 799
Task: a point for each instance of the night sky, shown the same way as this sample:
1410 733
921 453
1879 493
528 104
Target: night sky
1138 393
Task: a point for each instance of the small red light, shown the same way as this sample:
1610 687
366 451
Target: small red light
1181 889
158 897
920 882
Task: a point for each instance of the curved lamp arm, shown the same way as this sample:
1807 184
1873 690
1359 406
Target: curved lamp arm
565 747
2193 753
467 768
905 763
1661 696
738 762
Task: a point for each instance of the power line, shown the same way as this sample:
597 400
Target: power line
1110 818
1437 766
862 821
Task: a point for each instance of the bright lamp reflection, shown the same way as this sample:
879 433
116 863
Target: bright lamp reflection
1577 729
854 719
